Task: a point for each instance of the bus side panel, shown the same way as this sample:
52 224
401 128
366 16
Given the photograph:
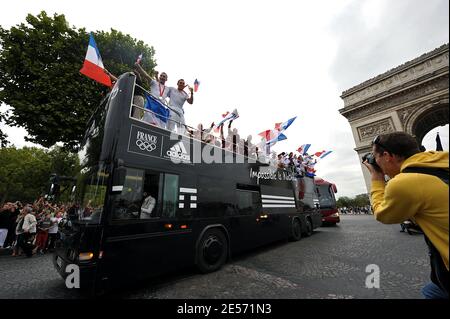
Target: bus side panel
308 199
280 208
145 248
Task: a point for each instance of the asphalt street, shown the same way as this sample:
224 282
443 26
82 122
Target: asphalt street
331 264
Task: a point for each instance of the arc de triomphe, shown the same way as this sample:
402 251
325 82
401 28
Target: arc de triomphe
412 98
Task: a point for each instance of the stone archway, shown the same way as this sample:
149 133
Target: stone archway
427 118
412 98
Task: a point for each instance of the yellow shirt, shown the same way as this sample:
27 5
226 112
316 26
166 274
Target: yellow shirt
422 198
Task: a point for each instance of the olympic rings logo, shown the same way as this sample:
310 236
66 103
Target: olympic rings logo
145 146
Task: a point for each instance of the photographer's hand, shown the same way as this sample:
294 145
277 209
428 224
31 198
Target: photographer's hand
376 174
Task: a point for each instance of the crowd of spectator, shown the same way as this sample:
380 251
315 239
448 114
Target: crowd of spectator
363 210
30 229
300 164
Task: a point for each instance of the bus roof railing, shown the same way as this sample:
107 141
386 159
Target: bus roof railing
151 118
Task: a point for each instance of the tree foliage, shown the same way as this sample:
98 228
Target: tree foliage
360 200
40 80
25 172
3 137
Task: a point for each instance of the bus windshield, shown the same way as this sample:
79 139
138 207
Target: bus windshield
93 177
93 184
326 198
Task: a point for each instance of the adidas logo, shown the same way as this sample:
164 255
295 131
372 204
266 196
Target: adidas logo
178 151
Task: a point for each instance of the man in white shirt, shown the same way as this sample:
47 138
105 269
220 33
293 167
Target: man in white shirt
29 222
53 231
157 87
177 97
147 206
29 231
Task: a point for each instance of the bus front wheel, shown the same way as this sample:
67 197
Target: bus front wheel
212 251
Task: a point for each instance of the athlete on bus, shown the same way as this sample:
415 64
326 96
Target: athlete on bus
147 206
177 97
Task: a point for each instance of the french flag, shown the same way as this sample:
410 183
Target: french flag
319 154
279 137
227 117
283 126
93 66
139 59
303 149
196 84
268 134
325 154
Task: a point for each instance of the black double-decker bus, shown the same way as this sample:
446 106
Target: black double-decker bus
150 201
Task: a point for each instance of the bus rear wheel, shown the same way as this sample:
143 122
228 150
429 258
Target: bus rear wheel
212 251
309 227
296 230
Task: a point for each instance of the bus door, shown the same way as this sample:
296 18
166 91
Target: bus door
146 235
245 227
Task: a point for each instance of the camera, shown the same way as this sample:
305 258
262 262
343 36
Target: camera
371 160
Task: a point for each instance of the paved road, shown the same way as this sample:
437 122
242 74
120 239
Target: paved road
331 264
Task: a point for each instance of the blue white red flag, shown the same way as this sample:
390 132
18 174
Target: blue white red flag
279 137
196 84
139 59
283 126
159 110
325 154
228 117
93 65
303 149
267 135
318 154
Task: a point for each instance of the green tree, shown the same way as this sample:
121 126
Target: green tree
3 137
357 201
39 76
25 172
343 201
63 162
361 200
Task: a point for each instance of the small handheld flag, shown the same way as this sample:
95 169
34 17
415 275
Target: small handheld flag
283 126
325 154
268 134
93 65
318 154
196 84
303 149
279 137
139 59
227 117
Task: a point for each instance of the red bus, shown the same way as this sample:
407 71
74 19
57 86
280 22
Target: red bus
327 201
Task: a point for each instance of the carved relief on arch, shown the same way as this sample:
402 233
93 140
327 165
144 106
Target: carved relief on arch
371 130
405 113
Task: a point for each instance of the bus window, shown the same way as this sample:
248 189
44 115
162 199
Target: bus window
246 201
93 195
151 195
326 196
127 205
170 196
